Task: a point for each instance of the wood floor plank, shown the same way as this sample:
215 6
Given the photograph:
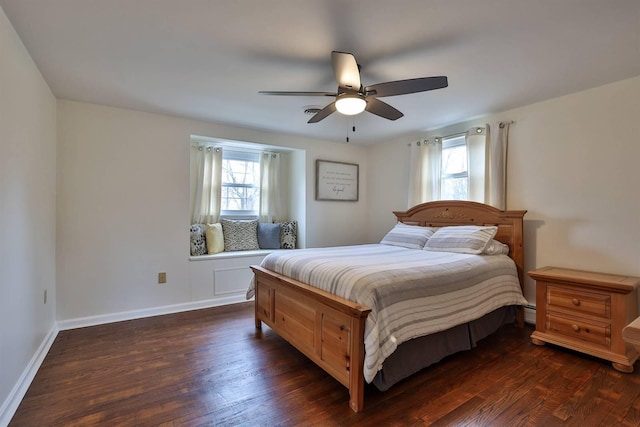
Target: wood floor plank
212 367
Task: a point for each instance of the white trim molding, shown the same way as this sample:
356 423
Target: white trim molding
10 405
530 314
82 322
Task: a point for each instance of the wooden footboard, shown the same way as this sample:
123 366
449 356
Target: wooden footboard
328 329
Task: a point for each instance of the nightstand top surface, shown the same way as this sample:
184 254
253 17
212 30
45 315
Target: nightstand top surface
580 277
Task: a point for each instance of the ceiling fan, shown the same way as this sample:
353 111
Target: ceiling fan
352 98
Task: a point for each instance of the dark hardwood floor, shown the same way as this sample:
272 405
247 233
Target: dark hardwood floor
211 367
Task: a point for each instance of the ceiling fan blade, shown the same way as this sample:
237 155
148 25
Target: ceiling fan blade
285 93
322 114
382 109
403 87
345 68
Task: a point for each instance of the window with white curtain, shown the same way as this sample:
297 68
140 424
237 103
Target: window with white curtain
467 166
454 172
235 180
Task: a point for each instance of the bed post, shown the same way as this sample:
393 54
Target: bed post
356 368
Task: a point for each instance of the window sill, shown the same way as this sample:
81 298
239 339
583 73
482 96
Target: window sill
232 254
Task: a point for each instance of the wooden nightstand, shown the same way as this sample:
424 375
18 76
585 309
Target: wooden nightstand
586 312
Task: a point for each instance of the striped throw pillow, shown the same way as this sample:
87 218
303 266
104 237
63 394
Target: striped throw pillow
464 239
407 236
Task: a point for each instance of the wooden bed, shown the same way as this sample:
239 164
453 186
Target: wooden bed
329 329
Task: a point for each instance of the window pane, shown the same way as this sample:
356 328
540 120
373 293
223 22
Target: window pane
236 198
454 188
240 172
454 160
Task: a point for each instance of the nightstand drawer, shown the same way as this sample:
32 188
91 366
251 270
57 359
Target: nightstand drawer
594 332
578 302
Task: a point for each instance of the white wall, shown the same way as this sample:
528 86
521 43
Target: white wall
27 211
573 165
390 181
123 205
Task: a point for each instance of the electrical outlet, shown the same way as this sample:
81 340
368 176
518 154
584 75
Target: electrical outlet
45 296
162 277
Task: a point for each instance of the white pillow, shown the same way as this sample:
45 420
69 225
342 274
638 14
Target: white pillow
407 236
464 239
496 248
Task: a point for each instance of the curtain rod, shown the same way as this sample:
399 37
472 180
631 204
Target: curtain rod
207 147
501 125
454 135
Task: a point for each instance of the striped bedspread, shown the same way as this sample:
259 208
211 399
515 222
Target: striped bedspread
411 292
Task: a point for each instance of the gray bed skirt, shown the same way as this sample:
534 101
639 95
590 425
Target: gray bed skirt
418 353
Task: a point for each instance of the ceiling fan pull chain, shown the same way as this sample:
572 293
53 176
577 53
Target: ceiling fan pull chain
347 132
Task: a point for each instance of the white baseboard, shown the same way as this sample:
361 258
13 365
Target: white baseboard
530 314
82 322
10 405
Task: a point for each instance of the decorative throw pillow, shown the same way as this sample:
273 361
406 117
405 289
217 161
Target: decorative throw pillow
288 232
465 239
240 235
198 239
269 235
215 238
407 236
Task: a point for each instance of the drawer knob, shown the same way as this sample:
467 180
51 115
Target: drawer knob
575 301
575 328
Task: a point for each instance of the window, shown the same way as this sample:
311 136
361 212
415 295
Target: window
454 178
240 183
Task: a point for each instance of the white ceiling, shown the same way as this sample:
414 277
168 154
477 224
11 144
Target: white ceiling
207 59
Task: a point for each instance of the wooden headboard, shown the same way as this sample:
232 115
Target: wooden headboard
454 212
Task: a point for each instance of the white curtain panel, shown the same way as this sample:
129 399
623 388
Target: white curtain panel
270 204
417 159
424 171
477 161
496 184
206 199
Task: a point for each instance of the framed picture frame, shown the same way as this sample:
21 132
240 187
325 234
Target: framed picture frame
337 181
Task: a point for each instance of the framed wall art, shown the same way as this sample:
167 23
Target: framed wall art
336 181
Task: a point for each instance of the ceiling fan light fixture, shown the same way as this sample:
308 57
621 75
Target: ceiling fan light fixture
350 105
